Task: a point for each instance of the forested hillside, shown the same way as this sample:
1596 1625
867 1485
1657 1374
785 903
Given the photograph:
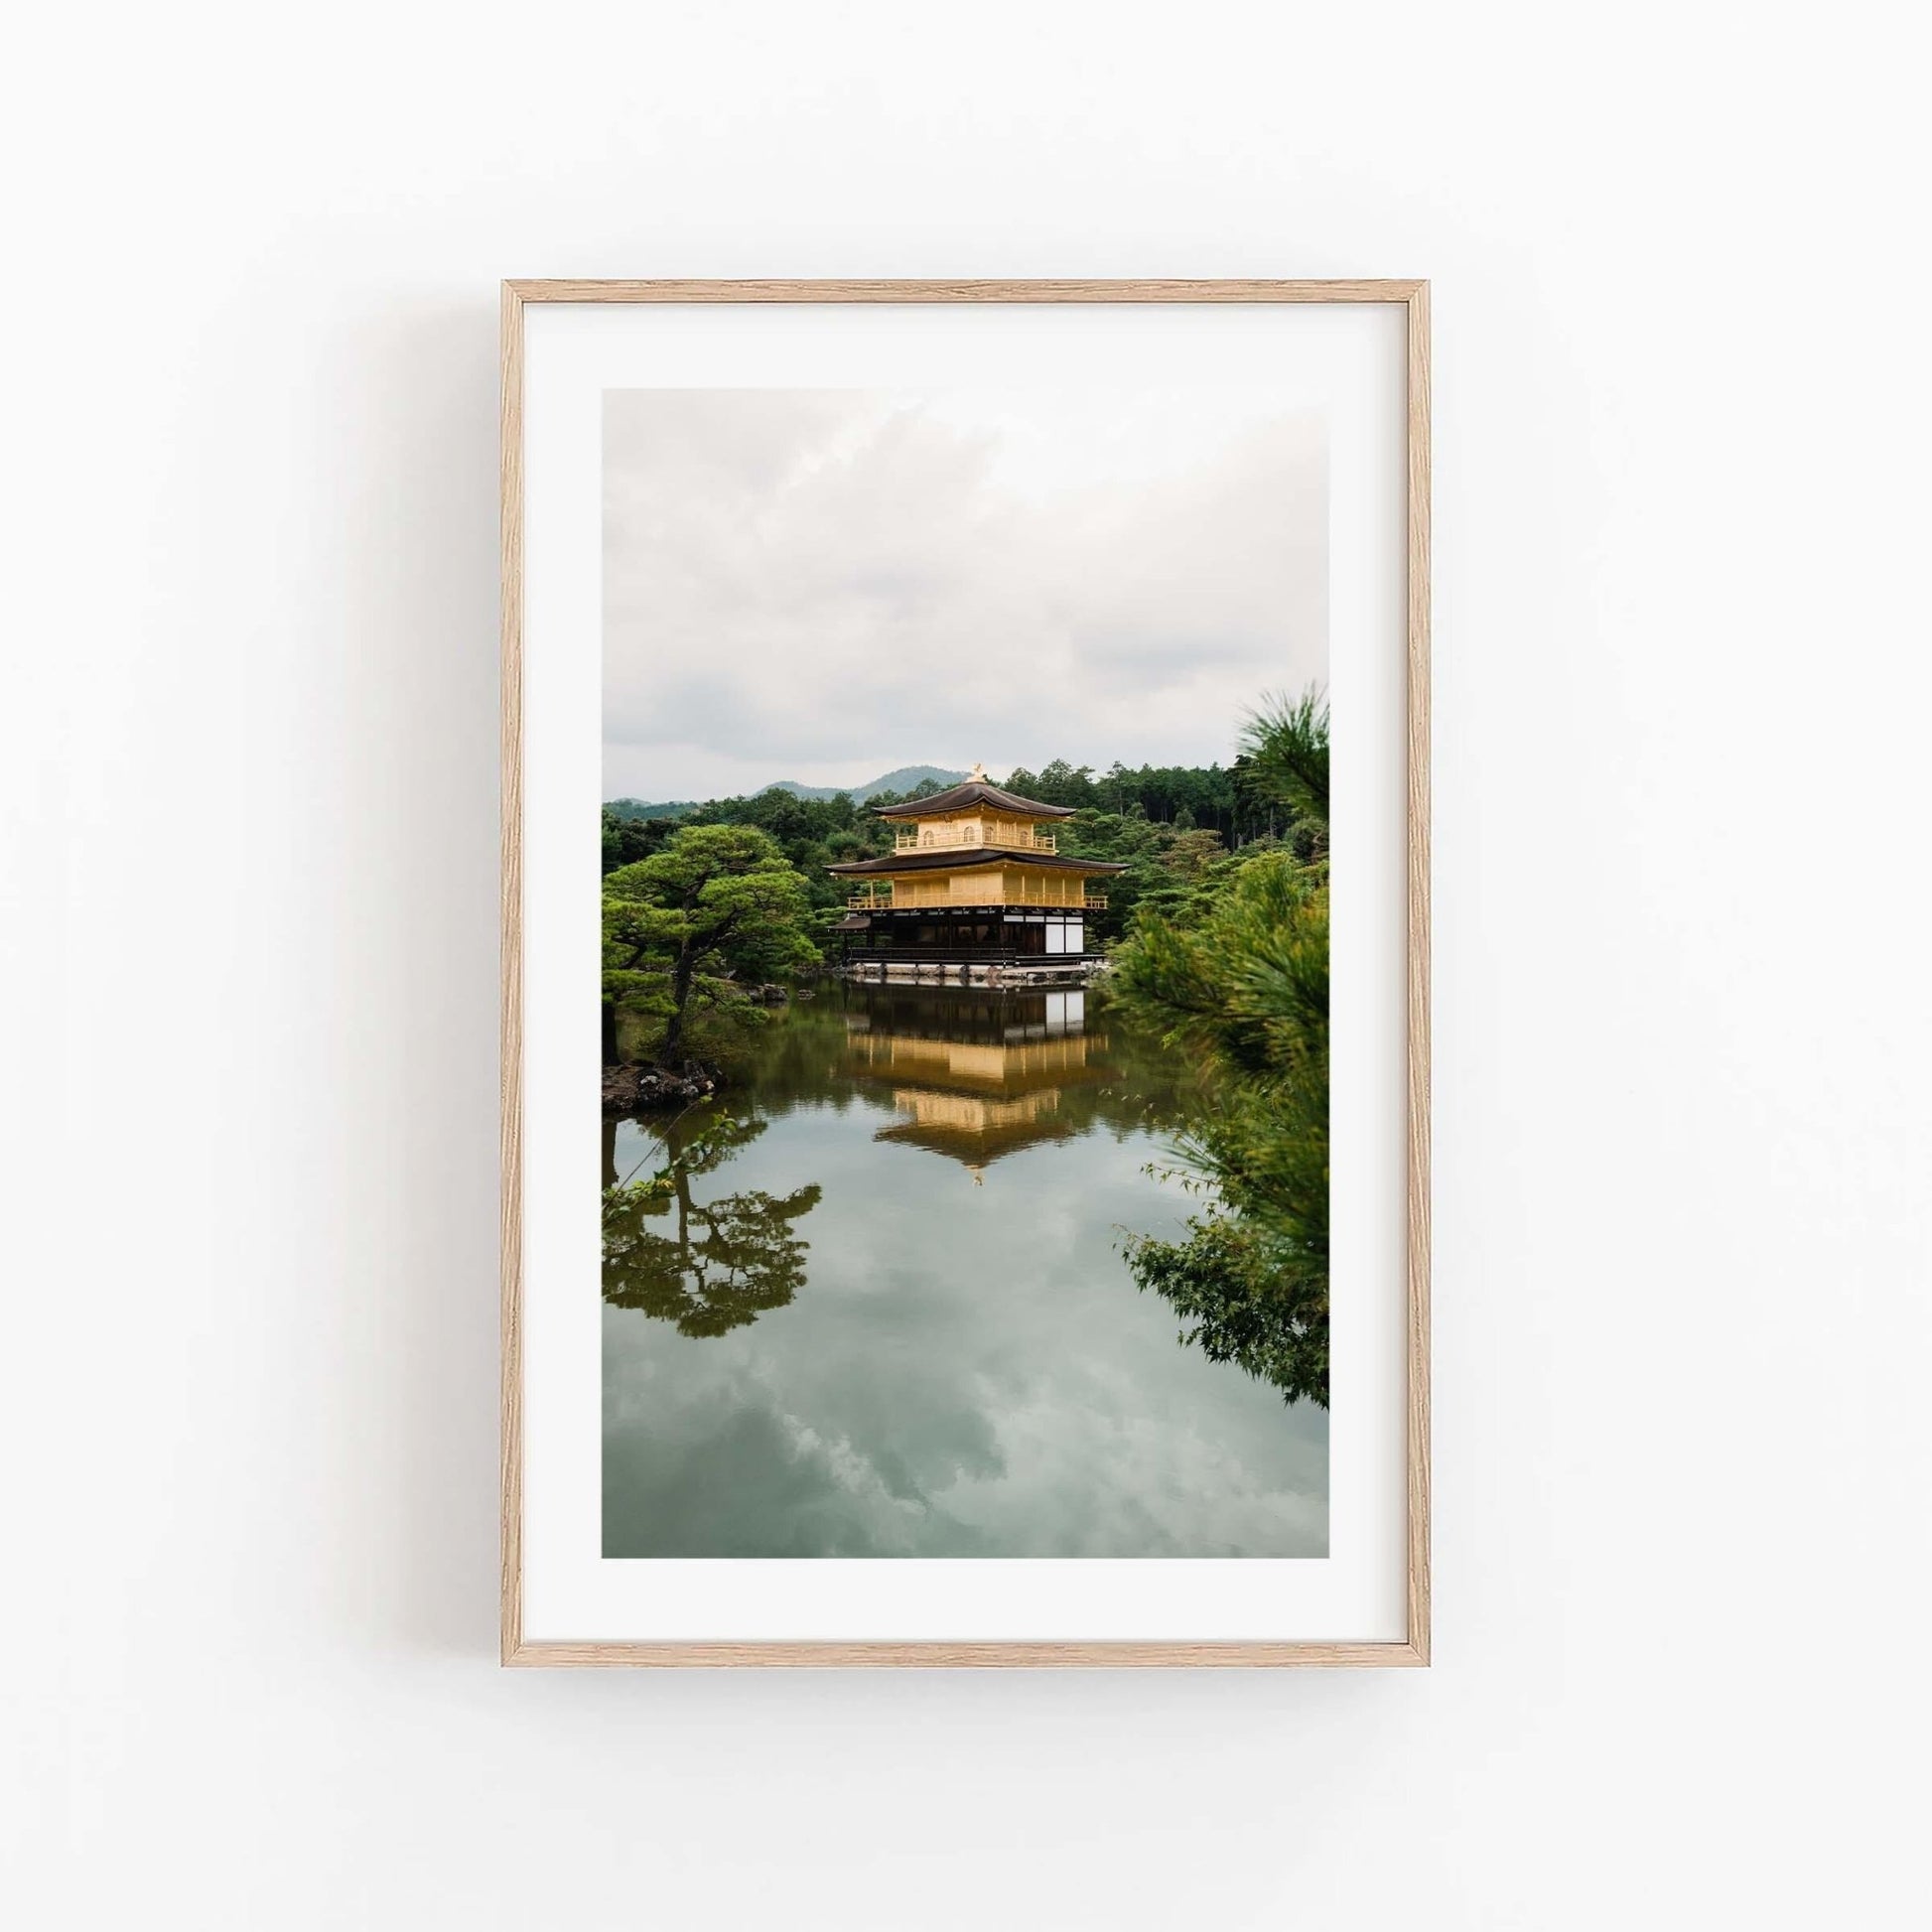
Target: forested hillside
1169 824
893 784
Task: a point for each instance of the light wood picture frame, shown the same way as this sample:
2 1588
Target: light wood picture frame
518 1649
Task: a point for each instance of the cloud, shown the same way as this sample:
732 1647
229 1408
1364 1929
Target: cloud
822 585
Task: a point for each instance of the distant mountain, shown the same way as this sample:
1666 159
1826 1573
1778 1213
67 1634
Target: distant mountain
904 779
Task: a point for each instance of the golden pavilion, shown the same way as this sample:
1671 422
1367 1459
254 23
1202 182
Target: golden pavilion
974 889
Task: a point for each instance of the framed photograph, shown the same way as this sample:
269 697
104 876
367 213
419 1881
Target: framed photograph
966 1117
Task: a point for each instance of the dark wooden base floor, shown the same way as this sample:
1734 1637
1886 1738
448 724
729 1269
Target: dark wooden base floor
962 968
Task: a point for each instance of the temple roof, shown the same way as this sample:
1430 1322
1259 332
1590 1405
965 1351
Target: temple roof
962 858
975 792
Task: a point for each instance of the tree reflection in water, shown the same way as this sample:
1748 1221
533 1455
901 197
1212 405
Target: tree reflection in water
724 1262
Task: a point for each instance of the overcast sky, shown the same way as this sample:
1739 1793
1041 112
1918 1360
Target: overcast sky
823 585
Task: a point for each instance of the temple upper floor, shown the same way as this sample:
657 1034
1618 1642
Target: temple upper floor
974 828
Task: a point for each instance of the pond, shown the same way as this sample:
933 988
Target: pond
872 1303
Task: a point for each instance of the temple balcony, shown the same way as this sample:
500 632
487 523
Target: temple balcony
987 889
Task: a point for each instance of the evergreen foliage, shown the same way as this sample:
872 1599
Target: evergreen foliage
713 908
1165 823
1237 974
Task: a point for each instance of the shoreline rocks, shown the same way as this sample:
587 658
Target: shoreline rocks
641 1089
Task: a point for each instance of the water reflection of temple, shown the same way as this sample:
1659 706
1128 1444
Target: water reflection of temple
976 1075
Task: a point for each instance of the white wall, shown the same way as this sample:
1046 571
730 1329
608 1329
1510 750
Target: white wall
1683 1048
